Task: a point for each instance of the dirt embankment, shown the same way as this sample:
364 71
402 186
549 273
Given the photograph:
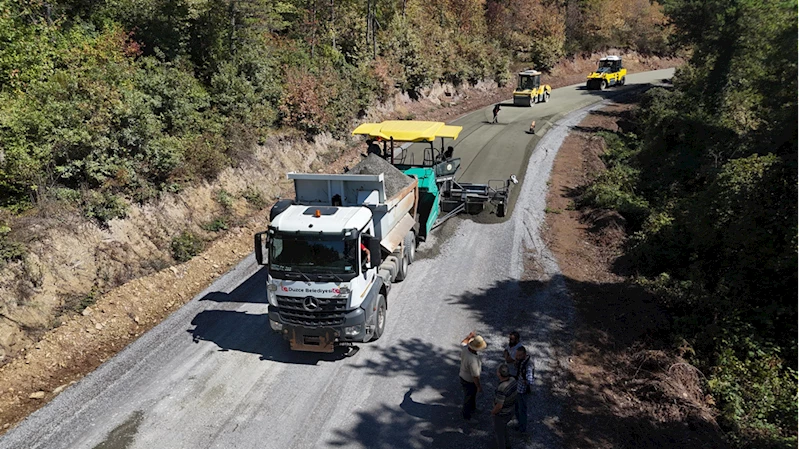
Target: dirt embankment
125 272
627 386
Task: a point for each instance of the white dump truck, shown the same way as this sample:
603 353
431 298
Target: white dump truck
333 251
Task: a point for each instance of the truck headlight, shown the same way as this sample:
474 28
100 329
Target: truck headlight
353 330
277 327
271 295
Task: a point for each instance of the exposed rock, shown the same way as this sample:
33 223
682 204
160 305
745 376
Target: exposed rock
37 395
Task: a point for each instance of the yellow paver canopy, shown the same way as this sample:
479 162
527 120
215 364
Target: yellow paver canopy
408 130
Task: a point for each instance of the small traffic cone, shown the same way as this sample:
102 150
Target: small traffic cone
532 127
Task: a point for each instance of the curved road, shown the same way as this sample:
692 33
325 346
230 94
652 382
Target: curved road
213 375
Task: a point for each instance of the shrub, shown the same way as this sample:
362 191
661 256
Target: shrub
755 392
77 303
104 207
66 195
403 48
9 249
218 224
254 197
186 245
303 102
204 158
224 199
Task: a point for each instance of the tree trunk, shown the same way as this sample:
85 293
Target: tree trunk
333 22
232 34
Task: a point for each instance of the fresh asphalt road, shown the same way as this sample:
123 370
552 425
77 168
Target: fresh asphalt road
213 375
493 152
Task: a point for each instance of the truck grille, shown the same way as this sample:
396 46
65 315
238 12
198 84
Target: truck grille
329 311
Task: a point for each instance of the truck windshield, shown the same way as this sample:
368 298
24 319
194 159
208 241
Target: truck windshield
314 255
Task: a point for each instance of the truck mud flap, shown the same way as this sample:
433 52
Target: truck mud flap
311 340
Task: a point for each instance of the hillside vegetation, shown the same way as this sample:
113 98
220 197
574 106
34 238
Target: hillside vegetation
707 183
111 102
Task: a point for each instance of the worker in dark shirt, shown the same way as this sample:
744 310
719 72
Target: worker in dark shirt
373 148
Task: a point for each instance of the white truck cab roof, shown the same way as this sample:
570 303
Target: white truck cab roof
322 219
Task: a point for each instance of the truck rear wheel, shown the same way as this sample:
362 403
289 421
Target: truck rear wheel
380 318
402 267
410 246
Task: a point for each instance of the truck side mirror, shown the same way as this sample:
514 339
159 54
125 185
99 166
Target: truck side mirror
259 248
374 252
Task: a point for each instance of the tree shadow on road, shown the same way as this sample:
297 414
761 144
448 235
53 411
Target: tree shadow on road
233 330
565 411
252 290
429 413
236 330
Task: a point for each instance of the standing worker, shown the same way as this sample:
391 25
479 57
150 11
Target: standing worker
524 382
496 111
469 374
514 342
504 403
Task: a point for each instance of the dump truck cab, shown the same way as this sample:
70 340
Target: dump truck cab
529 89
333 252
610 72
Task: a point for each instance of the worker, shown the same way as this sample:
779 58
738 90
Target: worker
365 253
496 112
367 256
373 148
469 374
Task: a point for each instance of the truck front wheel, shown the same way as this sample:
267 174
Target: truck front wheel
380 318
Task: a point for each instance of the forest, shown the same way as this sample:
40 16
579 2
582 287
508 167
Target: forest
108 103
707 182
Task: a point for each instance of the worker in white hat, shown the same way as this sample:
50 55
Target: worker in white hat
471 365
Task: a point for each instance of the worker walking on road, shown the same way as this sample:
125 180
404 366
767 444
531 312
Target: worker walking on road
496 112
469 374
524 382
504 403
